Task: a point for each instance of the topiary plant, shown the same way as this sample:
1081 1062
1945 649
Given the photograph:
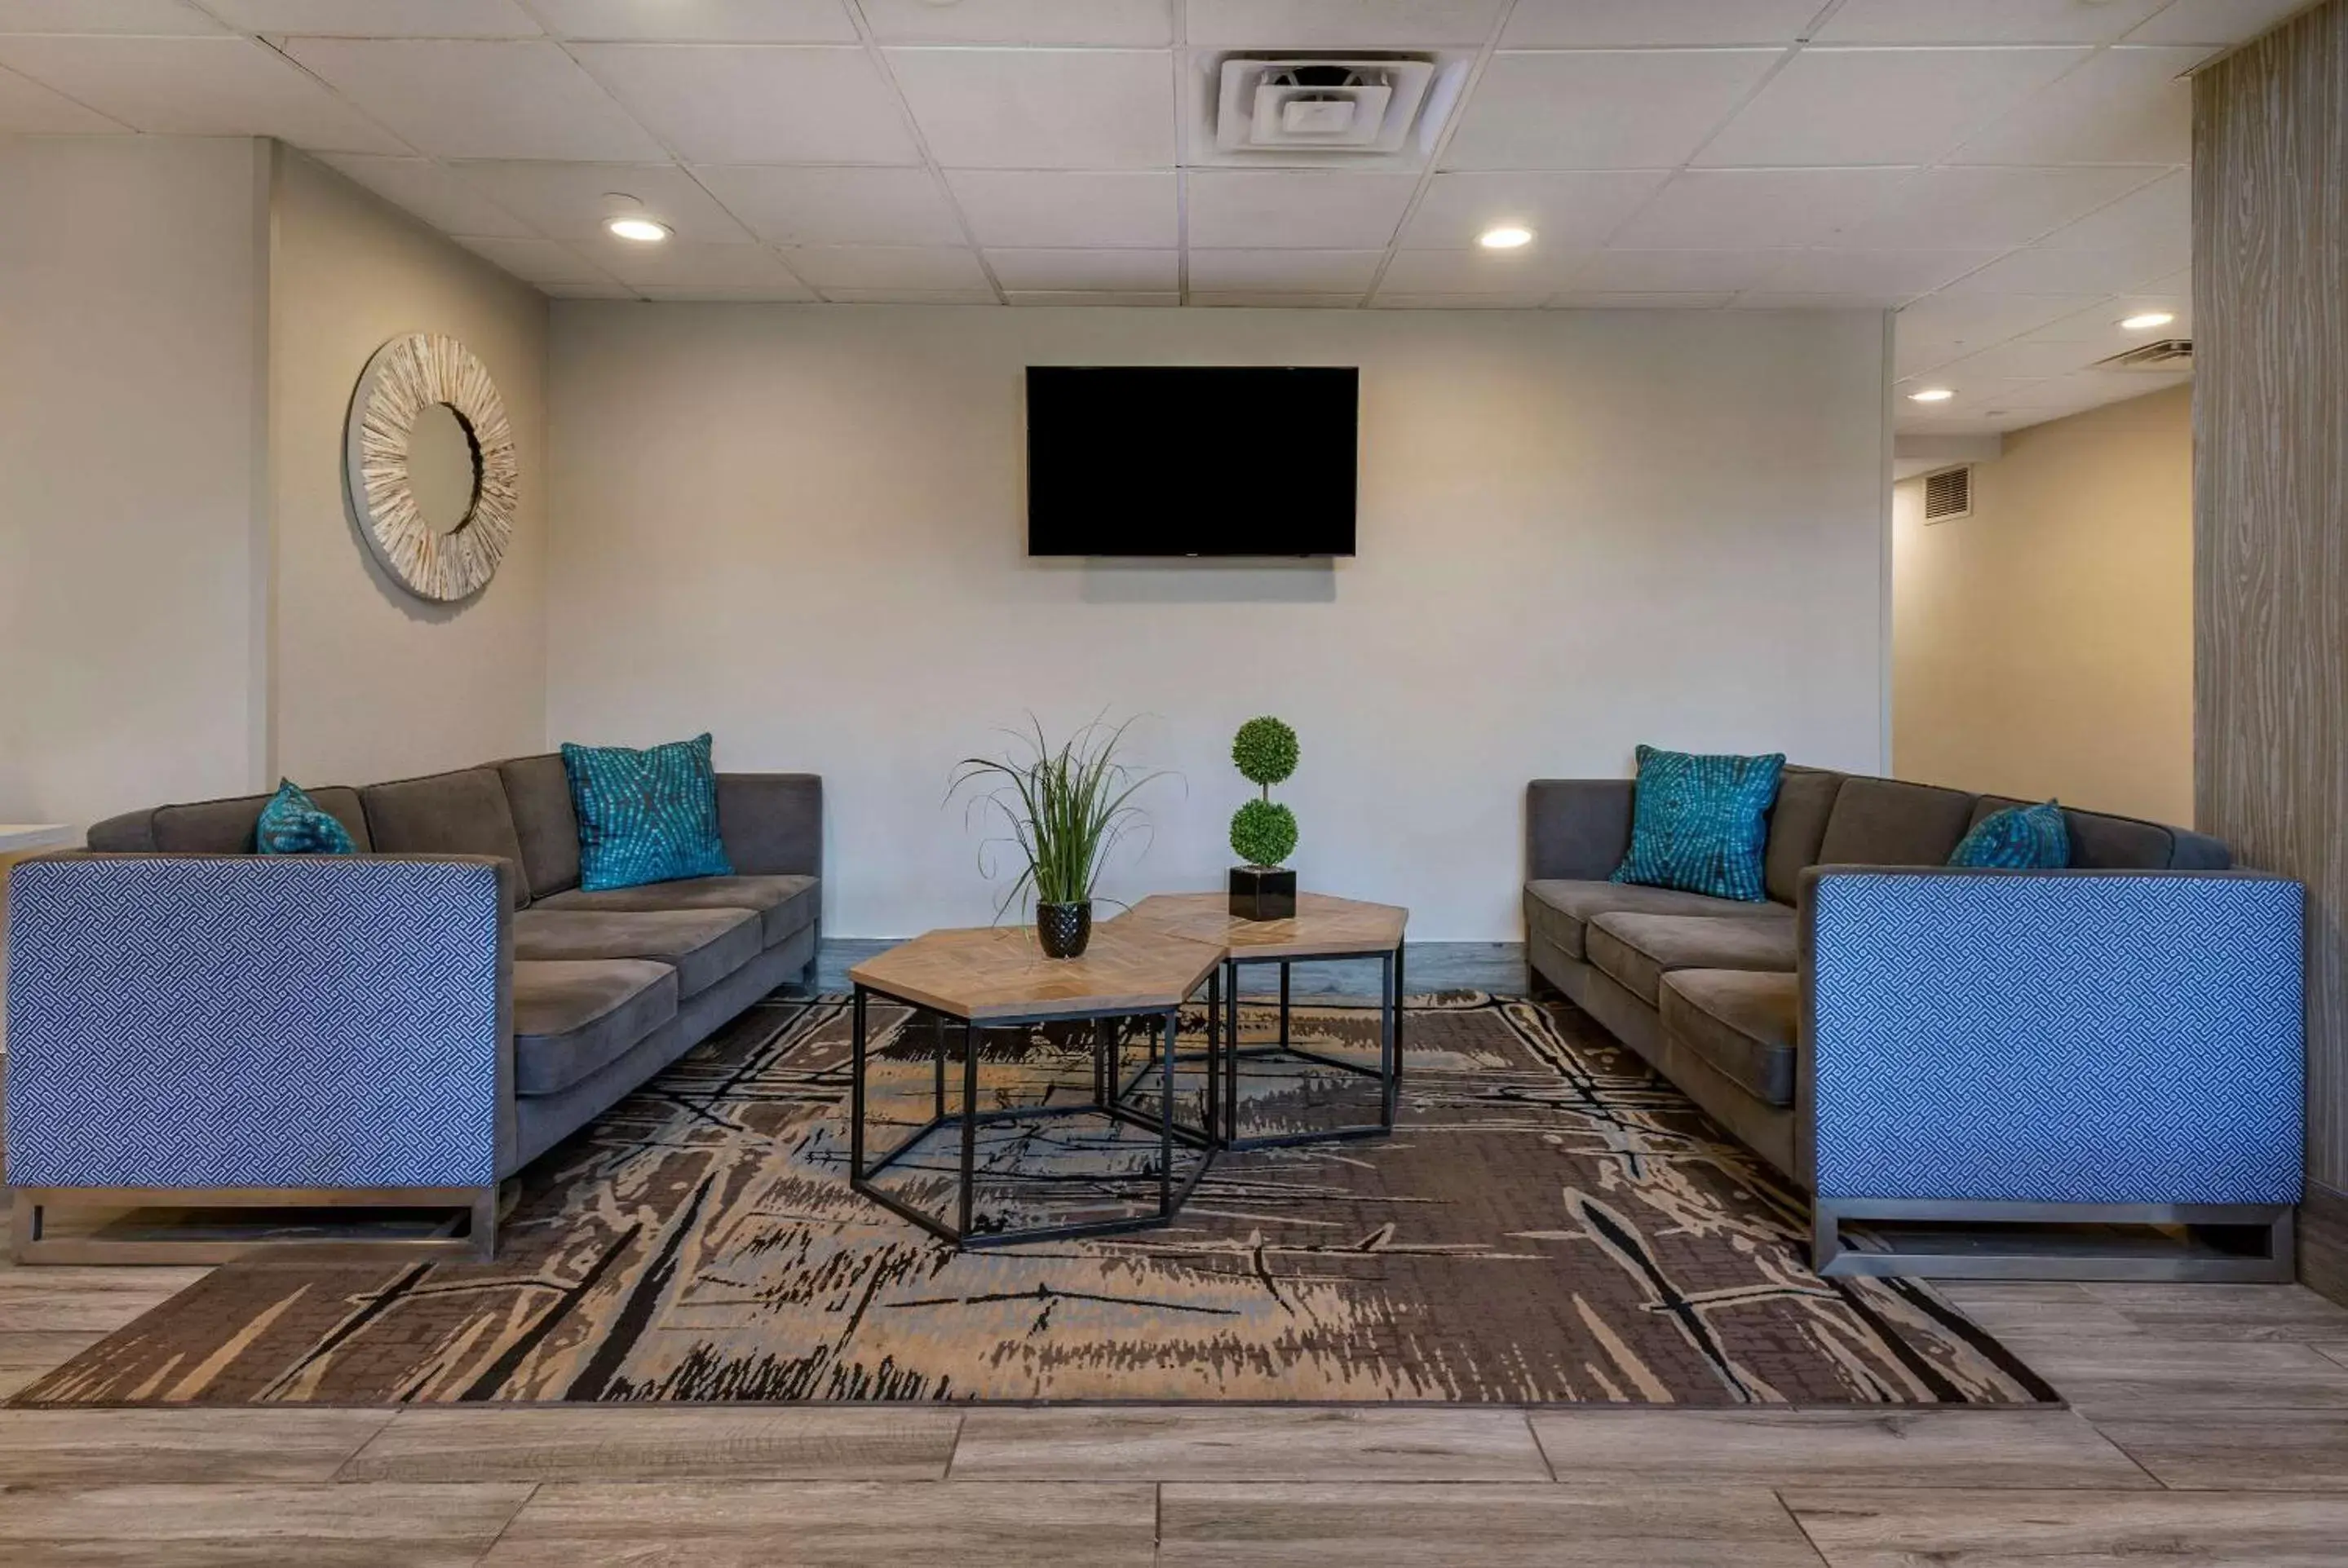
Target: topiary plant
1263 833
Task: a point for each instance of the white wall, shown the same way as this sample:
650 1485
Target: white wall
803 529
132 540
370 681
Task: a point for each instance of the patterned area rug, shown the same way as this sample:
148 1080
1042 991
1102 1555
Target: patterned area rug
1548 1224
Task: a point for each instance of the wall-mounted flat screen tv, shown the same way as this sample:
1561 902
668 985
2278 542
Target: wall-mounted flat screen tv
1191 460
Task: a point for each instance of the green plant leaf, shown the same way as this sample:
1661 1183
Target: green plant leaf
1065 807
1263 833
1265 751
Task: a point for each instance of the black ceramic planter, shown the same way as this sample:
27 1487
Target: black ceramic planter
1063 930
1263 893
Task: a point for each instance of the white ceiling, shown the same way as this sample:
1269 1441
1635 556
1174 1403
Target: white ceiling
2008 173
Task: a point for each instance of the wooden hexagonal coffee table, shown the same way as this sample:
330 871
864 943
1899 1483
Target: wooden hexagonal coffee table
997 978
1324 928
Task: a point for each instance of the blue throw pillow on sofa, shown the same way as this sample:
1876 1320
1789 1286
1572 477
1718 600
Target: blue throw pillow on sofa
2019 838
1700 823
294 823
646 816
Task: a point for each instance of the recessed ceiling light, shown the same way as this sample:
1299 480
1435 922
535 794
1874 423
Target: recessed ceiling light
2148 321
1508 237
1931 394
642 231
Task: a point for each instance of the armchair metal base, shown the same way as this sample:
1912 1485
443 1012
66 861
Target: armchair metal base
30 1244
2269 1260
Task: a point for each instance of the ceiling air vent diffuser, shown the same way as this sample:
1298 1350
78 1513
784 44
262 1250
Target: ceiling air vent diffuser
2168 353
1949 495
1357 106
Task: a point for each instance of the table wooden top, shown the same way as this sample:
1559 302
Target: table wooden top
1000 972
1322 924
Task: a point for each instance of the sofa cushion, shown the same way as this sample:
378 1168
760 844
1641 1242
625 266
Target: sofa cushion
1883 822
1699 822
1639 951
463 813
538 792
571 1018
647 816
703 946
786 905
1744 1021
1797 826
1560 910
226 826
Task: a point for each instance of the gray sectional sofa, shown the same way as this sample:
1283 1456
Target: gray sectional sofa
1710 990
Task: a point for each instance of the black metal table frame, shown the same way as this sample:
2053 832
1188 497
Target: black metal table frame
1109 1042
1224 1052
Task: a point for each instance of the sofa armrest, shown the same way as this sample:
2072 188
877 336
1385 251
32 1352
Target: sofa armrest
1576 829
2053 1037
259 1021
772 823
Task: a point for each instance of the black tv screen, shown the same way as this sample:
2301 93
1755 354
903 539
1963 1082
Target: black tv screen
1191 460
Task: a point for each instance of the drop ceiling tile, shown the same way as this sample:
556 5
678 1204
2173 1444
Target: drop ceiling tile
1131 271
835 206
1773 300
684 263
536 261
1639 23
1256 299
793 293
2214 22
1308 208
431 192
1881 106
2159 215
379 18
1135 24
474 98
155 18
570 201
225 86
1333 24
1991 209
1621 300
1973 399
922 267
1049 206
1041 108
1620 109
1568 211
2091 388
1722 209
2037 270
1911 356
1675 271
1084 297
28 108
758 103
587 291
1978 321
1281 271
1983 21
1527 300
2096 332
845 296
2019 360
1536 269
700 20
2125 106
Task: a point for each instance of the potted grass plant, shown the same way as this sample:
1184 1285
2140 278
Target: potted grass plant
1066 807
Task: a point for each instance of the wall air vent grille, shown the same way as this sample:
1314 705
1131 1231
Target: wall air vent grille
1319 105
2168 353
1949 495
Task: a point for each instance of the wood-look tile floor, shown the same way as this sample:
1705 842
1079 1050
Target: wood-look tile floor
2209 1425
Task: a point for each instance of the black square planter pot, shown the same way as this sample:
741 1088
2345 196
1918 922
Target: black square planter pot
1263 893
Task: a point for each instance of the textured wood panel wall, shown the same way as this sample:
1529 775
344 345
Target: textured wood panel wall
2270 518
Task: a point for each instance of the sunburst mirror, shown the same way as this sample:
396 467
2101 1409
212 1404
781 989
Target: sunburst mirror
429 461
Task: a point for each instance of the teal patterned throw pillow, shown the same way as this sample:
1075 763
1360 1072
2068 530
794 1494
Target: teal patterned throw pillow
2019 838
294 823
646 816
1700 823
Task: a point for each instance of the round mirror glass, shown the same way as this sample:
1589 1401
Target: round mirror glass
442 472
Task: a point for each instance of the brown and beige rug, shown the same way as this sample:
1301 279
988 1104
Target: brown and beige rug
1550 1224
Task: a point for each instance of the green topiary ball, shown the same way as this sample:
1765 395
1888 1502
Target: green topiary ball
1265 751
1263 833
